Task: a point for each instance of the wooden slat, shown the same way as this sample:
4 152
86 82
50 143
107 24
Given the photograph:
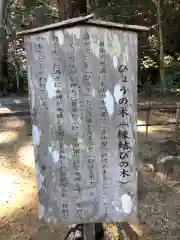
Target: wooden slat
83 21
105 24
54 26
157 124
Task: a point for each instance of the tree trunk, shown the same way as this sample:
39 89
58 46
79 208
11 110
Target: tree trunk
61 6
161 43
3 7
76 8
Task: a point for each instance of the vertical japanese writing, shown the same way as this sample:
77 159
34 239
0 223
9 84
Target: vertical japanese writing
87 67
76 118
40 74
90 146
104 129
57 76
91 159
123 134
90 143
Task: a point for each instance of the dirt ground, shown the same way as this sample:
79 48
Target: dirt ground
17 185
159 199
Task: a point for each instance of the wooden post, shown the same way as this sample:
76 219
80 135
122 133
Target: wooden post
177 122
89 231
147 119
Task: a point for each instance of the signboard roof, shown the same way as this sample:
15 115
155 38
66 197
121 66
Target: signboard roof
86 20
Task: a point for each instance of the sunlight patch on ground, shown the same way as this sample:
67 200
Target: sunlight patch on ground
4 109
111 230
13 193
3 162
26 155
9 187
152 129
15 123
8 136
143 129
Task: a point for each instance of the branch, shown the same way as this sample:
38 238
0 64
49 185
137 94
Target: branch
155 2
157 25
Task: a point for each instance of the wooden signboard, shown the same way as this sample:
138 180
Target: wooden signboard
82 82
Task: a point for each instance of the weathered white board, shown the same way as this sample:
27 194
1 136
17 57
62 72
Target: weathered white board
82 83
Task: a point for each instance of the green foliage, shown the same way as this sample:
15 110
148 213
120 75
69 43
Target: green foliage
117 11
12 77
147 62
24 14
173 85
173 79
